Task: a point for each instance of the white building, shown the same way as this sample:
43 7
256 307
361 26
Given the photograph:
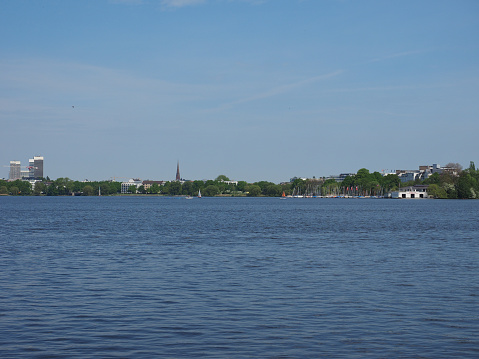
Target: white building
230 182
412 192
132 182
15 170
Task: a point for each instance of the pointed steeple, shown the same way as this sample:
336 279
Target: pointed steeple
178 177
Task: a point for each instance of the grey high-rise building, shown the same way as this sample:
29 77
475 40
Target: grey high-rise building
15 170
38 166
31 169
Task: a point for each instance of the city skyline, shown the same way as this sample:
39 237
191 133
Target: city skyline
255 90
35 171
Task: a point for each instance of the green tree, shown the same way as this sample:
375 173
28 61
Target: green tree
165 189
88 190
132 189
141 189
211 191
52 190
253 190
272 190
391 182
24 187
362 173
221 178
14 191
3 190
209 183
115 187
222 187
348 182
472 167
105 188
154 189
175 188
450 190
433 179
64 186
241 186
187 188
436 191
465 186
78 186
39 188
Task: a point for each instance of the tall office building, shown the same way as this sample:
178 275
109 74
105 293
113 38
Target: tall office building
15 170
38 166
31 168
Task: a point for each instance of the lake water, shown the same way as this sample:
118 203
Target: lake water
238 278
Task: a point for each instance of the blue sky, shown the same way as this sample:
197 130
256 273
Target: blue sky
255 90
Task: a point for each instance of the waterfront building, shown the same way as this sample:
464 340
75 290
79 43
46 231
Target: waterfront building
125 186
147 184
15 171
412 192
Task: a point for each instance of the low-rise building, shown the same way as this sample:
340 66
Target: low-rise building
407 176
412 192
230 182
125 186
424 172
147 184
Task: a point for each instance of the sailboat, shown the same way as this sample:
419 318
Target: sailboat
283 196
199 193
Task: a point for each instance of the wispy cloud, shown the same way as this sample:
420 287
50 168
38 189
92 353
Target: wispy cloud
129 2
180 3
184 3
392 88
172 4
399 54
281 89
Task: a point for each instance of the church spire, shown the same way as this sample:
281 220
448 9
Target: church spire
178 177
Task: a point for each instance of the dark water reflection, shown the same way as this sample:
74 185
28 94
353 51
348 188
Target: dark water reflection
242 278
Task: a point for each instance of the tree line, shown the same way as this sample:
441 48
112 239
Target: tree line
463 184
60 187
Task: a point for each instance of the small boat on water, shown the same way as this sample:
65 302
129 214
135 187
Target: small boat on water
199 193
188 197
283 196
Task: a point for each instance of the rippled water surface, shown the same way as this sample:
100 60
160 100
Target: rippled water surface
238 278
